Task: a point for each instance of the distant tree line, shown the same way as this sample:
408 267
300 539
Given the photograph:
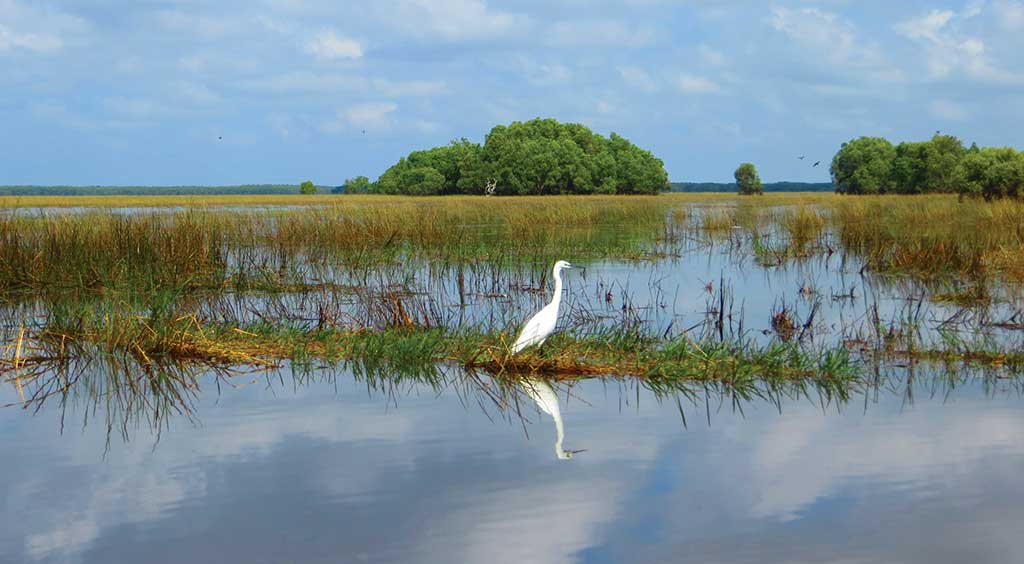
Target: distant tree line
248 189
540 156
766 187
873 165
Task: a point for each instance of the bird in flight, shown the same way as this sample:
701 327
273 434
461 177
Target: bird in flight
801 157
816 163
543 322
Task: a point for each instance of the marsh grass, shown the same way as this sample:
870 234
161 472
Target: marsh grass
803 224
934 235
199 249
134 284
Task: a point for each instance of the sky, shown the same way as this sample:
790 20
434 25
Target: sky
175 92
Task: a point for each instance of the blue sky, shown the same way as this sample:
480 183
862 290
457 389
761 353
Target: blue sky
254 91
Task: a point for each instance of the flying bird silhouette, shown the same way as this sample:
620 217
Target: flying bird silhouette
801 157
816 163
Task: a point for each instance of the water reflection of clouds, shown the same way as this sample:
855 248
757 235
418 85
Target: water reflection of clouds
321 478
137 482
807 456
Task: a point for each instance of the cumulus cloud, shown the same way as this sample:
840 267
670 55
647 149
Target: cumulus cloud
329 46
1009 14
599 32
40 43
949 51
369 115
451 19
137 108
309 81
34 28
197 93
208 27
637 78
711 56
543 73
400 88
693 84
829 36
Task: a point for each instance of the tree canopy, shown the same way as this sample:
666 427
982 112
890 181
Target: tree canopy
307 187
747 180
864 166
872 165
540 156
355 185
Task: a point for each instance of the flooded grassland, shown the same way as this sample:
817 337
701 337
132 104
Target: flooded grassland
841 358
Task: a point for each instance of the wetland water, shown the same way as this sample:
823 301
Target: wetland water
355 462
331 472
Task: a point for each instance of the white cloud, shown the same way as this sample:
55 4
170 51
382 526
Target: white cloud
637 78
36 28
711 56
543 74
831 38
369 115
197 93
426 126
329 46
948 110
136 108
948 51
598 32
1009 14
40 43
927 26
282 124
307 81
452 19
400 88
693 84
204 26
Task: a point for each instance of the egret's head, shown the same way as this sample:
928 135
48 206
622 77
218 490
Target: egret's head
562 265
567 454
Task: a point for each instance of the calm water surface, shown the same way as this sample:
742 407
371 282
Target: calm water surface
338 471
331 472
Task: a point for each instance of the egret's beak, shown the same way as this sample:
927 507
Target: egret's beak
576 451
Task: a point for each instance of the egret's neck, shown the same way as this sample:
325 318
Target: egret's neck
560 434
557 298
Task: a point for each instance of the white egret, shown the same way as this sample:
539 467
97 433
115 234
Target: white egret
543 322
547 400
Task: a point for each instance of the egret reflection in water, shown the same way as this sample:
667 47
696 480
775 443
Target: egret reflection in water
547 401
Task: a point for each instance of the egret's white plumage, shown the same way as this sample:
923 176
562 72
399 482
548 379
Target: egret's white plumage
543 322
547 400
